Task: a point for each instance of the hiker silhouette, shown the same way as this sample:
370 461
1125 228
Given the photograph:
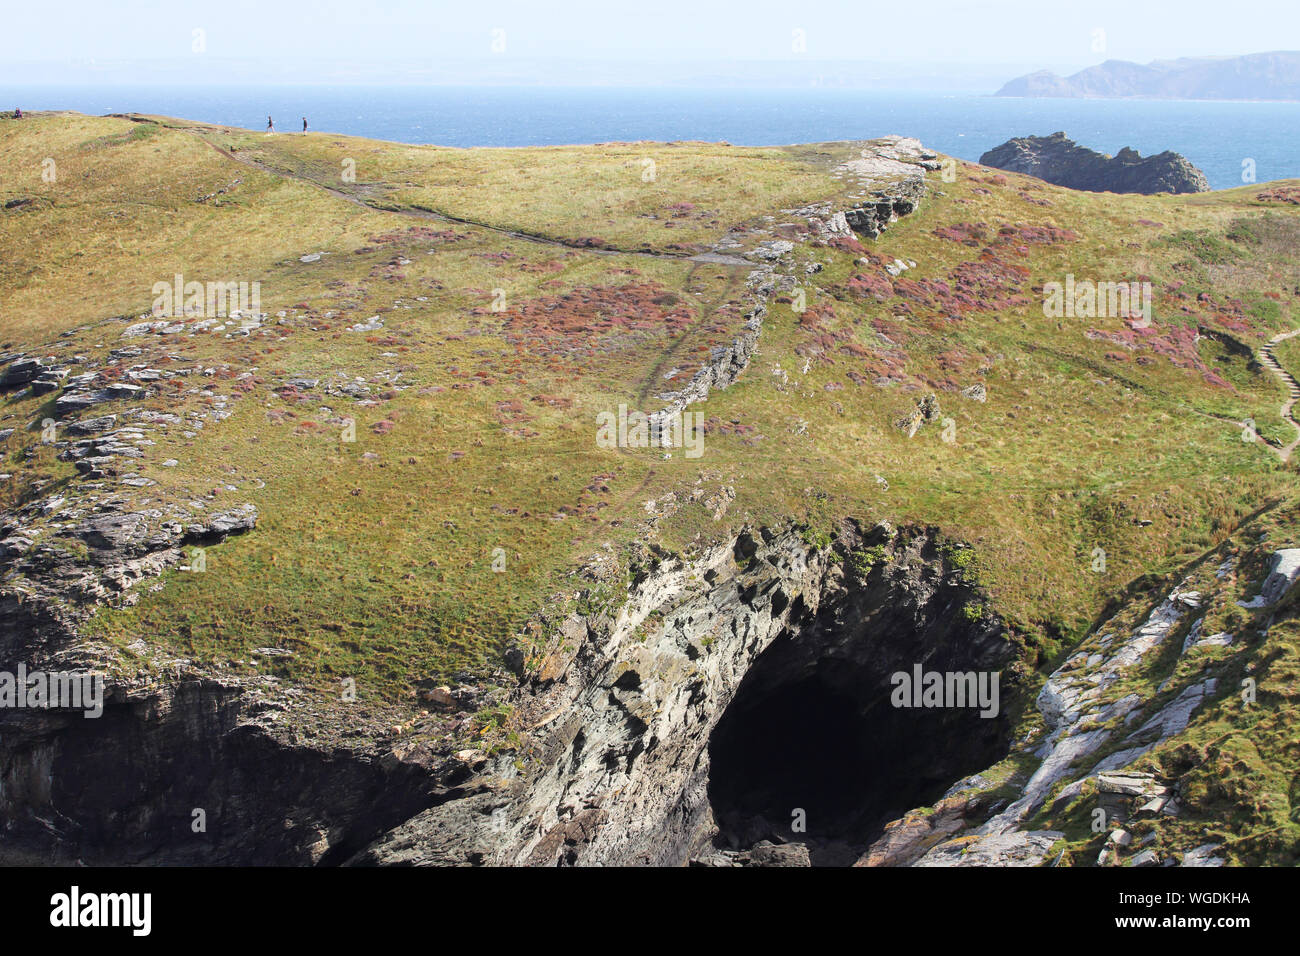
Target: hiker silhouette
304 124
270 125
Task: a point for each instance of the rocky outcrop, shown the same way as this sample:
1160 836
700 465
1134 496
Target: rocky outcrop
890 173
191 770
644 724
181 766
185 764
728 697
1114 700
1059 160
926 411
731 707
726 362
1283 571
121 547
24 371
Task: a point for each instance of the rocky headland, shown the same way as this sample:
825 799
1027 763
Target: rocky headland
1059 160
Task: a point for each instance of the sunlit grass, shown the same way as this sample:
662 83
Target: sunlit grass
374 559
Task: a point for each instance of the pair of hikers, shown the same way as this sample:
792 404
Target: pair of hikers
270 124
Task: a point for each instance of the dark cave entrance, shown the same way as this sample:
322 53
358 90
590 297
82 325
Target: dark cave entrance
812 728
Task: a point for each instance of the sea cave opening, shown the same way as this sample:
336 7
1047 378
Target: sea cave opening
810 749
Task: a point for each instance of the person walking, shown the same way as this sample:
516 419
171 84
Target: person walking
304 124
18 113
270 125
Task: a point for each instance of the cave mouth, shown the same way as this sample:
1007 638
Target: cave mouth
810 738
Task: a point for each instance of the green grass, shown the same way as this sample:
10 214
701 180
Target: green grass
622 195
1287 353
373 559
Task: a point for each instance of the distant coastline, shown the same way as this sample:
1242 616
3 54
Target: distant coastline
1257 77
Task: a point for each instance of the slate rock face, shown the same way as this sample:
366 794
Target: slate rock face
645 731
1059 160
112 532
22 372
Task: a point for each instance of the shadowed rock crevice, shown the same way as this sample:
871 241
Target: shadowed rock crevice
185 775
812 728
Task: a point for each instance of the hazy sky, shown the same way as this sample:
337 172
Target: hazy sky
1054 34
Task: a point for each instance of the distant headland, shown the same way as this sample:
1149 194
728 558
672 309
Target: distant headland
1258 76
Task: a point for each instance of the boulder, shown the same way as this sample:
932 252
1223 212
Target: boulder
22 372
926 410
90 426
235 521
1014 848
1282 573
772 854
1203 855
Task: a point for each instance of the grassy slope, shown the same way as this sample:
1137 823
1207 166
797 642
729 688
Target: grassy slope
373 559
1235 763
1288 356
619 195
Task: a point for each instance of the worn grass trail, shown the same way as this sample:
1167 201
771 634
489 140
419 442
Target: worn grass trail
424 212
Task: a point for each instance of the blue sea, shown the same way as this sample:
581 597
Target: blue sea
1218 137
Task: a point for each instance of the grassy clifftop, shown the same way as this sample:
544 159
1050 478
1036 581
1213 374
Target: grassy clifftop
466 315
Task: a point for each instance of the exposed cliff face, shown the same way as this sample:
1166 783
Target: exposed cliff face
191 771
729 695
730 708
688 722
1102 778
1059 160
181 766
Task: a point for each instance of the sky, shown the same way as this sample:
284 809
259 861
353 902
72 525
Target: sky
127 40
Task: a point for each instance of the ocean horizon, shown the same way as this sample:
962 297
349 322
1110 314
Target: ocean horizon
1219 137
